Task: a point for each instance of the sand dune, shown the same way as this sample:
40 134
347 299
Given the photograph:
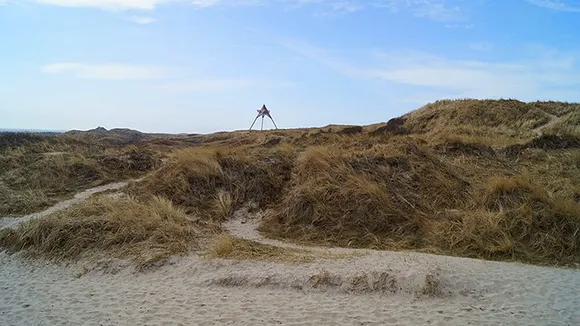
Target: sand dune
370 288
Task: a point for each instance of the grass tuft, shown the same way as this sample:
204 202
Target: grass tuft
144 231
229 247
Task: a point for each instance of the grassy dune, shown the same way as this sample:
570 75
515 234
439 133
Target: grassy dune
36 171
463 177
145 231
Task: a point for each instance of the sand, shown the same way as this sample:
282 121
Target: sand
369 288
193 291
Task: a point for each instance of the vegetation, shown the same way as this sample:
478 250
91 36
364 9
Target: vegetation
213 182
229 247
486 179
36 171
145 231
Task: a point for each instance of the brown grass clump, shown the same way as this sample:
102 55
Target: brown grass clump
36 173
558 109
229 247
510 114
519 221
568 125
38 184
57 174
365 198
14 203
130 161
11 140
494 123
212 183
459 144
145 231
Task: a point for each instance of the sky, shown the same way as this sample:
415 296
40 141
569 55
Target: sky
201 66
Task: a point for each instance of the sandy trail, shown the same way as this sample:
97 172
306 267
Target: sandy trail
378 288
12 222
246 228
553 120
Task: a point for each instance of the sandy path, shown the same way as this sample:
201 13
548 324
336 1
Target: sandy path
247 229
12 222
553 120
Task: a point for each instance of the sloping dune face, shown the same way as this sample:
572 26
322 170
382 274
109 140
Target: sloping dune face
487 179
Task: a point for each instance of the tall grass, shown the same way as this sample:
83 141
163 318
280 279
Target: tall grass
507 114
568 125
516 220
365 198
144 231
212 183
36 173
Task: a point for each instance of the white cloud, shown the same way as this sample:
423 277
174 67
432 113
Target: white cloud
105 71
225 84
143 20
545 75
557 5
528 80
115 5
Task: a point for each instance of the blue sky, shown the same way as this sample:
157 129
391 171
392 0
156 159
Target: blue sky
207 65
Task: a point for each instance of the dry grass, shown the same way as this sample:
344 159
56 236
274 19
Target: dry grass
376 197
507 114
229 247
36 171
452 177
517 220
144 231
568 125
23 201
492 123
212 183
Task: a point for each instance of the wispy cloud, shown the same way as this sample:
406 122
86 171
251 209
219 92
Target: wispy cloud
105 71
557 5
221 84
539 77
317 54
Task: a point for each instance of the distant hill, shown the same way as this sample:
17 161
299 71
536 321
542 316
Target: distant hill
118 136
35 131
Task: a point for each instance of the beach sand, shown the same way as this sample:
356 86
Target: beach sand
363 288
195 291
